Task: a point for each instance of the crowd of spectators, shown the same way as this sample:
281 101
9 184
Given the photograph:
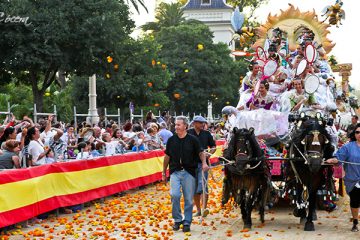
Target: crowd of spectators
25 143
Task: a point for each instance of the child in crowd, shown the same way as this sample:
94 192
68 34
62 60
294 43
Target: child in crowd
139 143
109 145
122 146
84 151
112 146
153 140
94 153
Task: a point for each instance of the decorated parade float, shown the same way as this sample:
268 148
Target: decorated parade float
291 116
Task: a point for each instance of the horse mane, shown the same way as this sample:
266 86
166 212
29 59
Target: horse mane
229 153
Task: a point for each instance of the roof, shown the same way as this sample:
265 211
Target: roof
214 4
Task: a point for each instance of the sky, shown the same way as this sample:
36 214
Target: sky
346 37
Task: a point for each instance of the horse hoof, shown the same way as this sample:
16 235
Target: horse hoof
309 226
303 220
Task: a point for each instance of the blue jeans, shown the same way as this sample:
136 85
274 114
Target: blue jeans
182 179
199 187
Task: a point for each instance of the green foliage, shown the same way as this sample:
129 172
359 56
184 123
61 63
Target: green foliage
167 15
20 99
136 4
64 102
332 60
198 74
132 81
72 36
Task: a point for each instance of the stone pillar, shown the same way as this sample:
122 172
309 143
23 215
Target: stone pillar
209 113
93 117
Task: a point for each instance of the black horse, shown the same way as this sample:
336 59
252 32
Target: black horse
310 146
247 180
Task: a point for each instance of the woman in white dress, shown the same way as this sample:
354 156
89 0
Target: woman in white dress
248 84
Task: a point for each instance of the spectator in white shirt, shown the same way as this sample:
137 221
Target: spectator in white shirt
110 146
84 151
47 134
117 136
35 147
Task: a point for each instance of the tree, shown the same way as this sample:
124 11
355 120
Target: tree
136 3
142 79
166 15
72 36
201 70
21 100
19 96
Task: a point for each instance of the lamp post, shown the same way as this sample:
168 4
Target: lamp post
93 117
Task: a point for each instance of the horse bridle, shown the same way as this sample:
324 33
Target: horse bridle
315 141
247 153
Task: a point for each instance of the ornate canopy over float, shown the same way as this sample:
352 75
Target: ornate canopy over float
291 49
293 21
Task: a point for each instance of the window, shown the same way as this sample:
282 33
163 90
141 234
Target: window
205 2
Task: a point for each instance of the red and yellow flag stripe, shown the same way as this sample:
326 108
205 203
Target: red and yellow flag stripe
26 193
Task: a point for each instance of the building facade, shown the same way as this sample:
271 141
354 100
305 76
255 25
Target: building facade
214 13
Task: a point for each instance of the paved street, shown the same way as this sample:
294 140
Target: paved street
146 214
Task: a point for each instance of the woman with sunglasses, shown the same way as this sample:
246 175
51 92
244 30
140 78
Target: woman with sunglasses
349 155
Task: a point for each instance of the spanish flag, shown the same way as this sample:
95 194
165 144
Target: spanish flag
25 193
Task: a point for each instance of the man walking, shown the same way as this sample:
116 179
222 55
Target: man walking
181 155
206 140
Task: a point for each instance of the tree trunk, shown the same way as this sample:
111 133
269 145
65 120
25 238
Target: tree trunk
49 78
38 99
37 93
